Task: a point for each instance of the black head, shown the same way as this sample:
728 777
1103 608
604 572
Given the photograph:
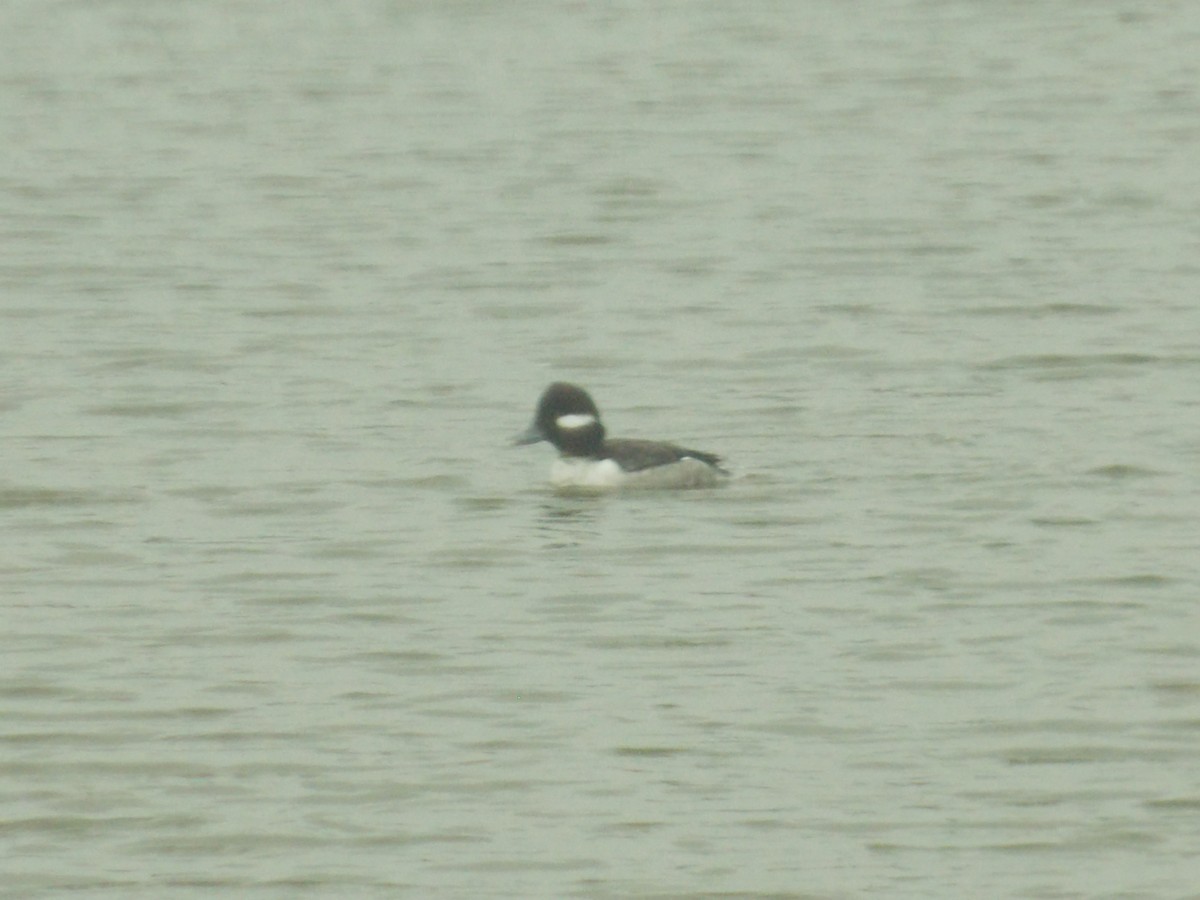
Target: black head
567 418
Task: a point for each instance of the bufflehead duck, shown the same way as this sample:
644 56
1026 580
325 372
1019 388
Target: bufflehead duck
568 419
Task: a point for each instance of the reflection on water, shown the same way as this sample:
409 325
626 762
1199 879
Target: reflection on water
570 518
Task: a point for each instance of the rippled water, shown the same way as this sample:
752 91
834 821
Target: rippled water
283 616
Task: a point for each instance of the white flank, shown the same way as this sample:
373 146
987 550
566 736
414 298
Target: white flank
586 473
576 472
574 420
689 472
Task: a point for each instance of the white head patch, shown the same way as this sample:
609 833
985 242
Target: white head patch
574 420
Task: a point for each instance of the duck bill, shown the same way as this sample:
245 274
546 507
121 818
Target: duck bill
530 435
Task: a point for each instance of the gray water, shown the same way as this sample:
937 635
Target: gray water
282 615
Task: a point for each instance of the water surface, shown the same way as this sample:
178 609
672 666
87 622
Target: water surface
281 614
